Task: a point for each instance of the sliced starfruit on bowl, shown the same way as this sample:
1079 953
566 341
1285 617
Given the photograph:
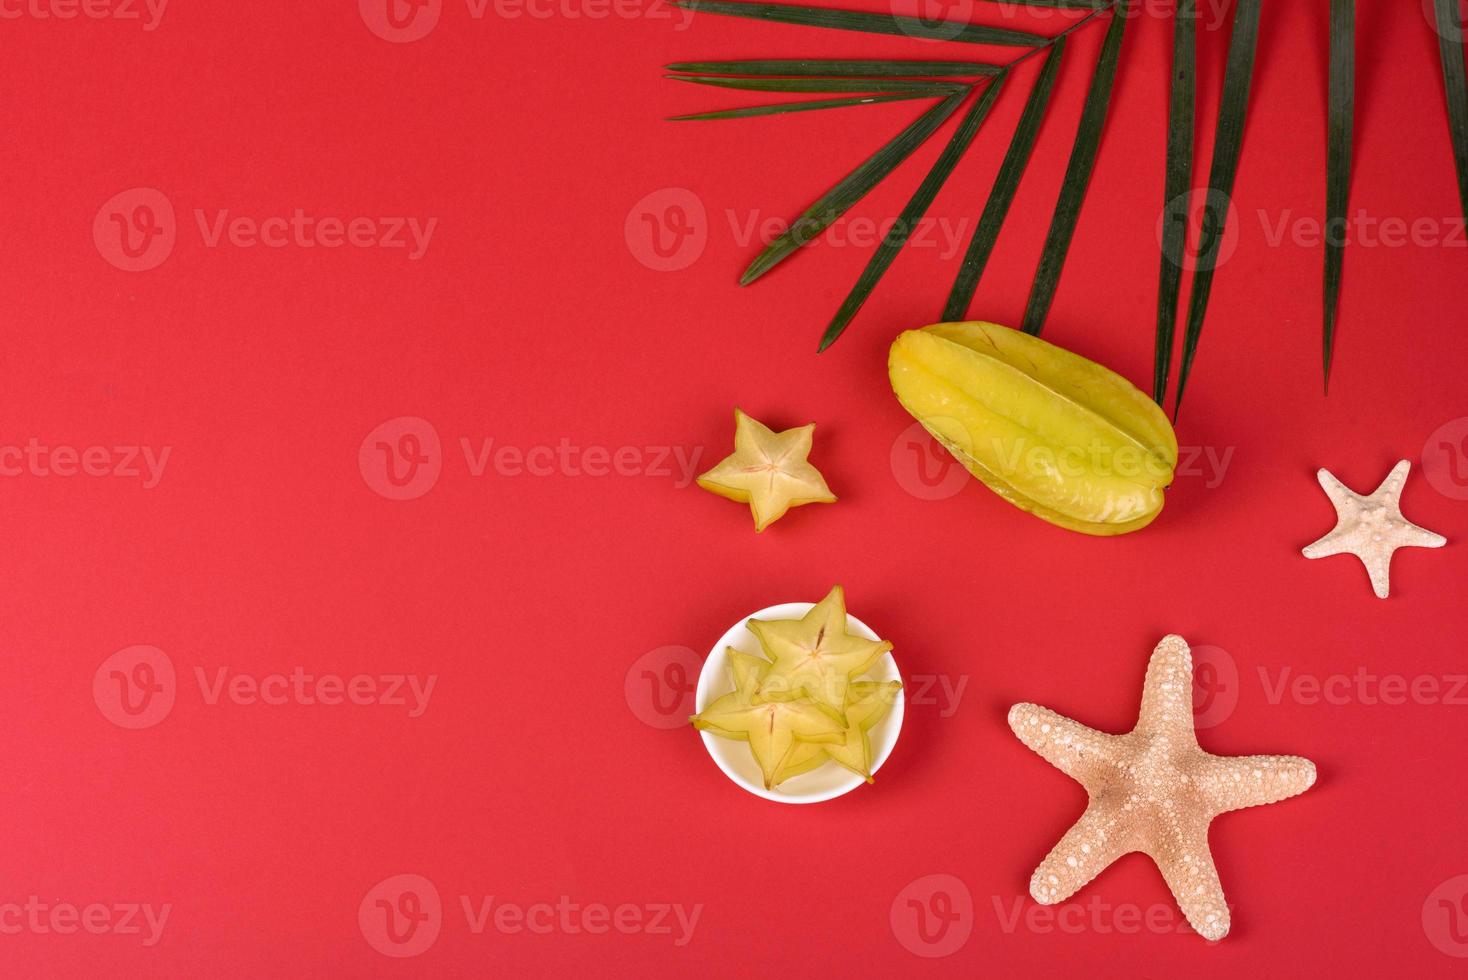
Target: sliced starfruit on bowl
772 728
1053 433
867 703
803 703
815 657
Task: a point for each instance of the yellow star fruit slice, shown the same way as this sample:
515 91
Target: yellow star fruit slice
768 470
772 728
814 657
1051 432
868 703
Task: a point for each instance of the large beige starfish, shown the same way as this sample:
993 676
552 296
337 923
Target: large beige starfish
1371 527
1152 790
768 470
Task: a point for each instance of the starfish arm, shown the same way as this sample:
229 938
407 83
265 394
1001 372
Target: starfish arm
1379 569
1413 536
1333 543
1235 782
1088 848
1395 481
1167 695
1080 752
1183 857
1337 491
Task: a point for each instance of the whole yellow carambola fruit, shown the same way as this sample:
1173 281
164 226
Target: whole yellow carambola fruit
1051 432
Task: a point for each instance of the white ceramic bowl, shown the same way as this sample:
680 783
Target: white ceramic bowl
823 783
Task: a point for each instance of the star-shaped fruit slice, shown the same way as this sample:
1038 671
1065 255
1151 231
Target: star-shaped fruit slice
1152 790
867 703
814 657
1371 527
772 728
768 470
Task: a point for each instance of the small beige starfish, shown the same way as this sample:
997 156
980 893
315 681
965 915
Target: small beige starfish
1371 527
768 470
1152 790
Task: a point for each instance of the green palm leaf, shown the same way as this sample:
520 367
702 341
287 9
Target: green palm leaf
1181 107
809 106
1450 44
833 67
1005 185
1341 113
918 206
851 188
875 85
1077 177
854 20
1228 141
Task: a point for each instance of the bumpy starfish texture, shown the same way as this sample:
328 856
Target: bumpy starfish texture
814 656
768 470
1152 790
771 728
1371 527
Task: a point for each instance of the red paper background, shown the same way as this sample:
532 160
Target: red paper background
533 320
